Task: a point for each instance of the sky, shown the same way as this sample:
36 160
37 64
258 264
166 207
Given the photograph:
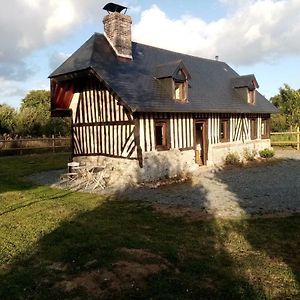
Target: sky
260 37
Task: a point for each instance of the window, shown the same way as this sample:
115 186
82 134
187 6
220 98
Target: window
224 131
253 129
180 85
180 90
265 129
161 135
251 96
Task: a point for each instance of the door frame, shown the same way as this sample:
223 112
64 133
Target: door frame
204 145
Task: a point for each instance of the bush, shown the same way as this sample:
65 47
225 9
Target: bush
232 159
266 153
249 155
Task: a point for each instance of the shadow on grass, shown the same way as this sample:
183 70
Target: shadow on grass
181 260
277 195
126 250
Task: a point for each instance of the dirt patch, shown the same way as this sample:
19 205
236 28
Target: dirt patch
190 214
58 266
124 274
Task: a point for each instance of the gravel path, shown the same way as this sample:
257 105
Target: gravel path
264 189
267 188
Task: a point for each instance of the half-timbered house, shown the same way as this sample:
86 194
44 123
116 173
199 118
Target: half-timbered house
155 111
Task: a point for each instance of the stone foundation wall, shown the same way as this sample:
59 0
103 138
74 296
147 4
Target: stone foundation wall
157 165
164 164
218 152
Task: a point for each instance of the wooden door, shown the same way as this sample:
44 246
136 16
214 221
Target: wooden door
200 142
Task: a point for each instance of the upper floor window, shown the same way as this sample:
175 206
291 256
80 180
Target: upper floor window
246 86
180 90
251 96
173 77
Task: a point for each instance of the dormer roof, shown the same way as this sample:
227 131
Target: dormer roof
172 69
248 81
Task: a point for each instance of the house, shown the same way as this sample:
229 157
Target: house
152 111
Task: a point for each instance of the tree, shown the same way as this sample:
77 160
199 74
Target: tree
34 117
37 99
288 103
7 118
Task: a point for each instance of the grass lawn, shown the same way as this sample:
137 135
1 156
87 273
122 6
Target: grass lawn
57 244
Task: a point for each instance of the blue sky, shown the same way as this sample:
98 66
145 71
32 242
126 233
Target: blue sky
260 37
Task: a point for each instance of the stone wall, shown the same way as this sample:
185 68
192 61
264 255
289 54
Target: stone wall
218 152
164 164
157 165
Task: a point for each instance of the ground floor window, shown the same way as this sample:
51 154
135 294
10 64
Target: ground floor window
253 129
265 128
161 135
224 131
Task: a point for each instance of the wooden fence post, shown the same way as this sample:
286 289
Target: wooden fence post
53 143
298 139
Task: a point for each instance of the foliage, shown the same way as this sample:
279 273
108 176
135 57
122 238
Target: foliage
30 121
279 123
52 239
266 153
7 118
249 155
233 159
288 103
34 117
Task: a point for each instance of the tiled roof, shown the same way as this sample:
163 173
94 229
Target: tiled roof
210 86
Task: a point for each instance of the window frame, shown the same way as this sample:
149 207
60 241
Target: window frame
226 136
265 134
165 133
253 128
182 85
251 96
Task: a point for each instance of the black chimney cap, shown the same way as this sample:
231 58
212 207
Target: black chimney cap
112 7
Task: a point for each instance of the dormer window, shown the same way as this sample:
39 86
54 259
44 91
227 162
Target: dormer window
180 86
251 97
174 77
246 87
251 92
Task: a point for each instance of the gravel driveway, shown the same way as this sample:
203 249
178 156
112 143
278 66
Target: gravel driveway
267 188
264 189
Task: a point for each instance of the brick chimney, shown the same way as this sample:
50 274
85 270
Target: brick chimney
117 30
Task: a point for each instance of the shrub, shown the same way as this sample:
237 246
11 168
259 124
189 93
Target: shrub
249 155
266 153
232 159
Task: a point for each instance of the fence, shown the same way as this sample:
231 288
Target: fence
55 144
286 138
34 145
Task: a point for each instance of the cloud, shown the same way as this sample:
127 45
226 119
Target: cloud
27 25
257 31
9 91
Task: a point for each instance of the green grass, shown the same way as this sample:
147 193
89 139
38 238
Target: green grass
52 239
